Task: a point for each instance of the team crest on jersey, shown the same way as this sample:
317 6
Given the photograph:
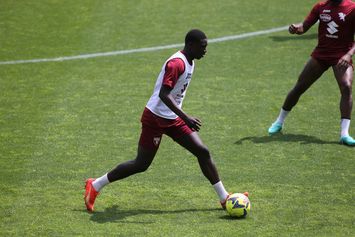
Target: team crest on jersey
325 17
342 16
156 140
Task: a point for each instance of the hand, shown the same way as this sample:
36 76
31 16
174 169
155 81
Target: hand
296 29
193 123
344 62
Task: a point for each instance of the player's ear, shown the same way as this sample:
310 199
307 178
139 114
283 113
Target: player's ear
189 44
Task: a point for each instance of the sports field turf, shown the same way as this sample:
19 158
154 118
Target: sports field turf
62 122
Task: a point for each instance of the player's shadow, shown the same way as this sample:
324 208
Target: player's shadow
114 214
302 139
279 38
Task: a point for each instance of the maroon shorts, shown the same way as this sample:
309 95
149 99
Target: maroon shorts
327 61
153 128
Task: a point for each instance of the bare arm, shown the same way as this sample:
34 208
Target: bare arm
311 19
351 51
344 62
299 28
165 96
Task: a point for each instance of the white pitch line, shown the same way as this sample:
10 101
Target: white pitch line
140 50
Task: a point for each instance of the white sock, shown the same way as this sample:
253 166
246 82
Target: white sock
345 124
282 116
101 182
220 190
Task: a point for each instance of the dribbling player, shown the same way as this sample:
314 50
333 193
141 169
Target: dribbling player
163 114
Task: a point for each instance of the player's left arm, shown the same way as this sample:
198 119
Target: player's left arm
345 61
351 51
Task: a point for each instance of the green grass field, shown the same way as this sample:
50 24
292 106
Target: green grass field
62 122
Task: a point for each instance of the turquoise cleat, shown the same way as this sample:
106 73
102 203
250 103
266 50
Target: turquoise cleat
347 140
275 128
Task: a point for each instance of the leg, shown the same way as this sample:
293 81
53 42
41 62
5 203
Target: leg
193 143
147 148
311 72
148 145
139 164
345 80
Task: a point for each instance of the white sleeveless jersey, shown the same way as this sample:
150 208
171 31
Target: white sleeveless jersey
156 105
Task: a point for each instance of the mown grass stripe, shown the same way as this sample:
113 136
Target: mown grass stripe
140 50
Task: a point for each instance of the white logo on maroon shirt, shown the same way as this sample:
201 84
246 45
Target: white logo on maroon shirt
332 27
325 17
342 16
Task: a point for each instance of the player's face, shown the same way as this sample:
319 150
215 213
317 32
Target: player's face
200 48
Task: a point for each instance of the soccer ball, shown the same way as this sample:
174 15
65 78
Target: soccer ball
238 205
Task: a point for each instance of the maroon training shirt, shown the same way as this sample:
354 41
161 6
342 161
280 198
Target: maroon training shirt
336 28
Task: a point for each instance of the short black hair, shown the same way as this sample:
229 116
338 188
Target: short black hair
194 35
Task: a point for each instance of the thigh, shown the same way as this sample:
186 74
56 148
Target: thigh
148 145
152 132
145 156
193 143
311 72
184 136
177 129
150 138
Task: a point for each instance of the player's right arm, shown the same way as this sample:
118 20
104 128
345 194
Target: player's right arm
296 29
310 20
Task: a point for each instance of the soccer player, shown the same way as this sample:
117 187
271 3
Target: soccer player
163 114
335 49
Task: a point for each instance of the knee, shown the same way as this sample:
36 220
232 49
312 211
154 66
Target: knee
141 166
203 153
